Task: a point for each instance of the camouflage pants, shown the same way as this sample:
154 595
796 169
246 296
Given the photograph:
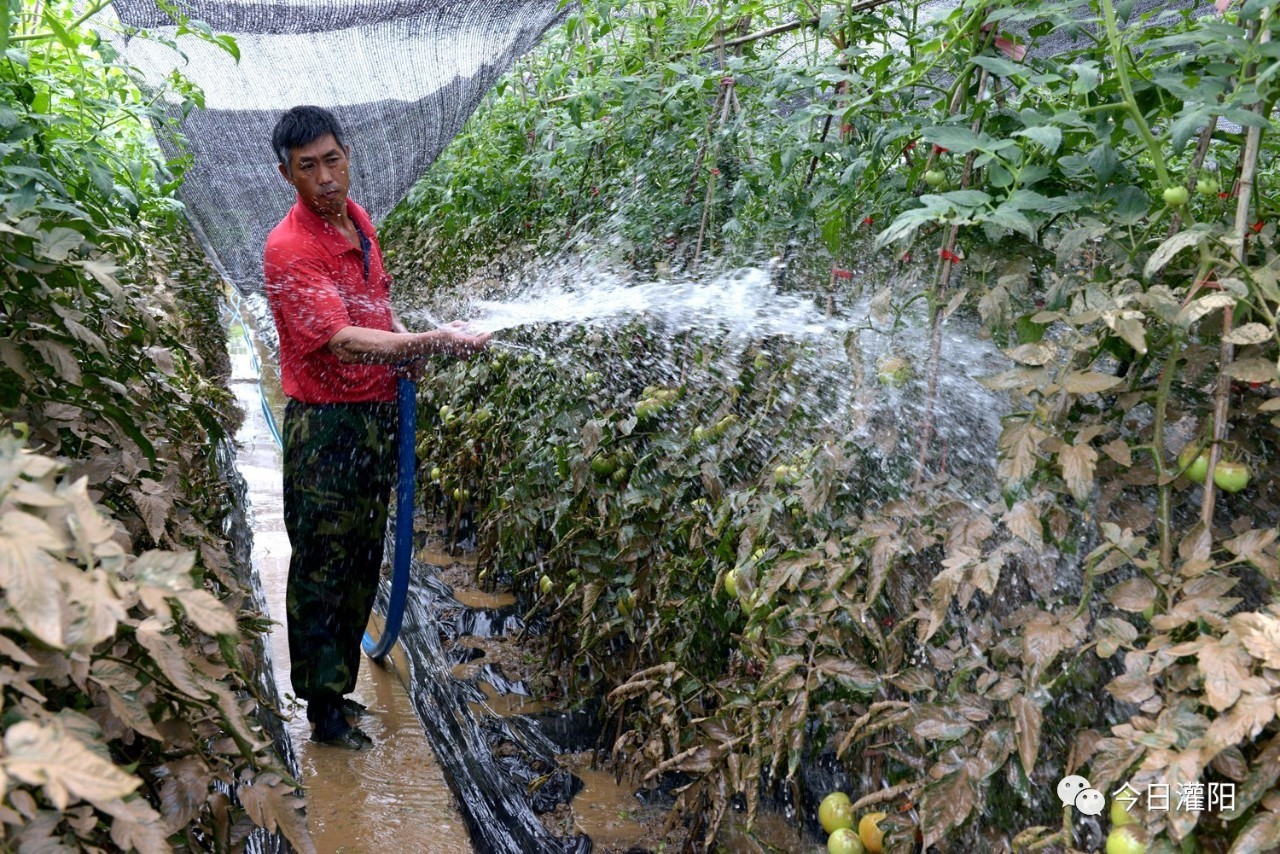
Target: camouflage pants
339 468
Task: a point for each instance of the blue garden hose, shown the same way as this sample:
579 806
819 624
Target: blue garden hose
377 648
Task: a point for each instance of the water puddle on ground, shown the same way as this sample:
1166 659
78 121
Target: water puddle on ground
608 812
393 797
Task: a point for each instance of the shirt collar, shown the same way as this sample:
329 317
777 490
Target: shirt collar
329 237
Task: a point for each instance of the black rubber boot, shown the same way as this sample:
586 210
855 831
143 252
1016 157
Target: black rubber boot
330 726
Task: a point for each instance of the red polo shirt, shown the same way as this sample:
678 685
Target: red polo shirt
316 286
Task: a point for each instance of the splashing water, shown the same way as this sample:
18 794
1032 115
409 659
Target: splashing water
845 344
742 301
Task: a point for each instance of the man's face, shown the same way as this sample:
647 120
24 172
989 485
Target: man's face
320 172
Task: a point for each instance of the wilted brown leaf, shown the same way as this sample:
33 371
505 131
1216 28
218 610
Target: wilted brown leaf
1028 719
1078 462
184 791
1225 665
1257 547
137 826
968 534
1045 635
1260 634
1132 687
1018 443
1253 371
46 756
1262 833
209 615
61 359
169 657
946 804
1245 720
1023 521
1113 633
1133 595
269 804
1089 382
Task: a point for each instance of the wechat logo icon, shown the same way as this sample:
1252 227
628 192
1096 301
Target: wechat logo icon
1075 791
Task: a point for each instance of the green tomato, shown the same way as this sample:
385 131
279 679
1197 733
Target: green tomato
1194 463
619 476
845 841
835 812
723 425
699 434
545 585
1175 197
731 584
1120 815
935 177
1126 840
435 473
786 475
1207 186
893 370
1231 476
457 495
603 465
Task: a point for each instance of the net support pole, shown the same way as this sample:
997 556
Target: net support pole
377 648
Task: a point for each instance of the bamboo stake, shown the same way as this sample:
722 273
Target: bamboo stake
1222 394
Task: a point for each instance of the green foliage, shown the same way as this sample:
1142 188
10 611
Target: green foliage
125 677
960 654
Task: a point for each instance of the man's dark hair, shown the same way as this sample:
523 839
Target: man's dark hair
303 126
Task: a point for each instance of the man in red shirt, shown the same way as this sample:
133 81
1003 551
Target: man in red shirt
341 346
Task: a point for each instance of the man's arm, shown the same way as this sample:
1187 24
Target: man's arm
379 347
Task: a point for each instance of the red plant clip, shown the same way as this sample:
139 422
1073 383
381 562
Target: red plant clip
948 255
868 220
1257 227
840 273
726 81
715 171
938 149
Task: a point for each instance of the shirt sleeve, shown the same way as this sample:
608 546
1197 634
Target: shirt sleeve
306 300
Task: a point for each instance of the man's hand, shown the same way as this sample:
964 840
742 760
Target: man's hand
461 343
